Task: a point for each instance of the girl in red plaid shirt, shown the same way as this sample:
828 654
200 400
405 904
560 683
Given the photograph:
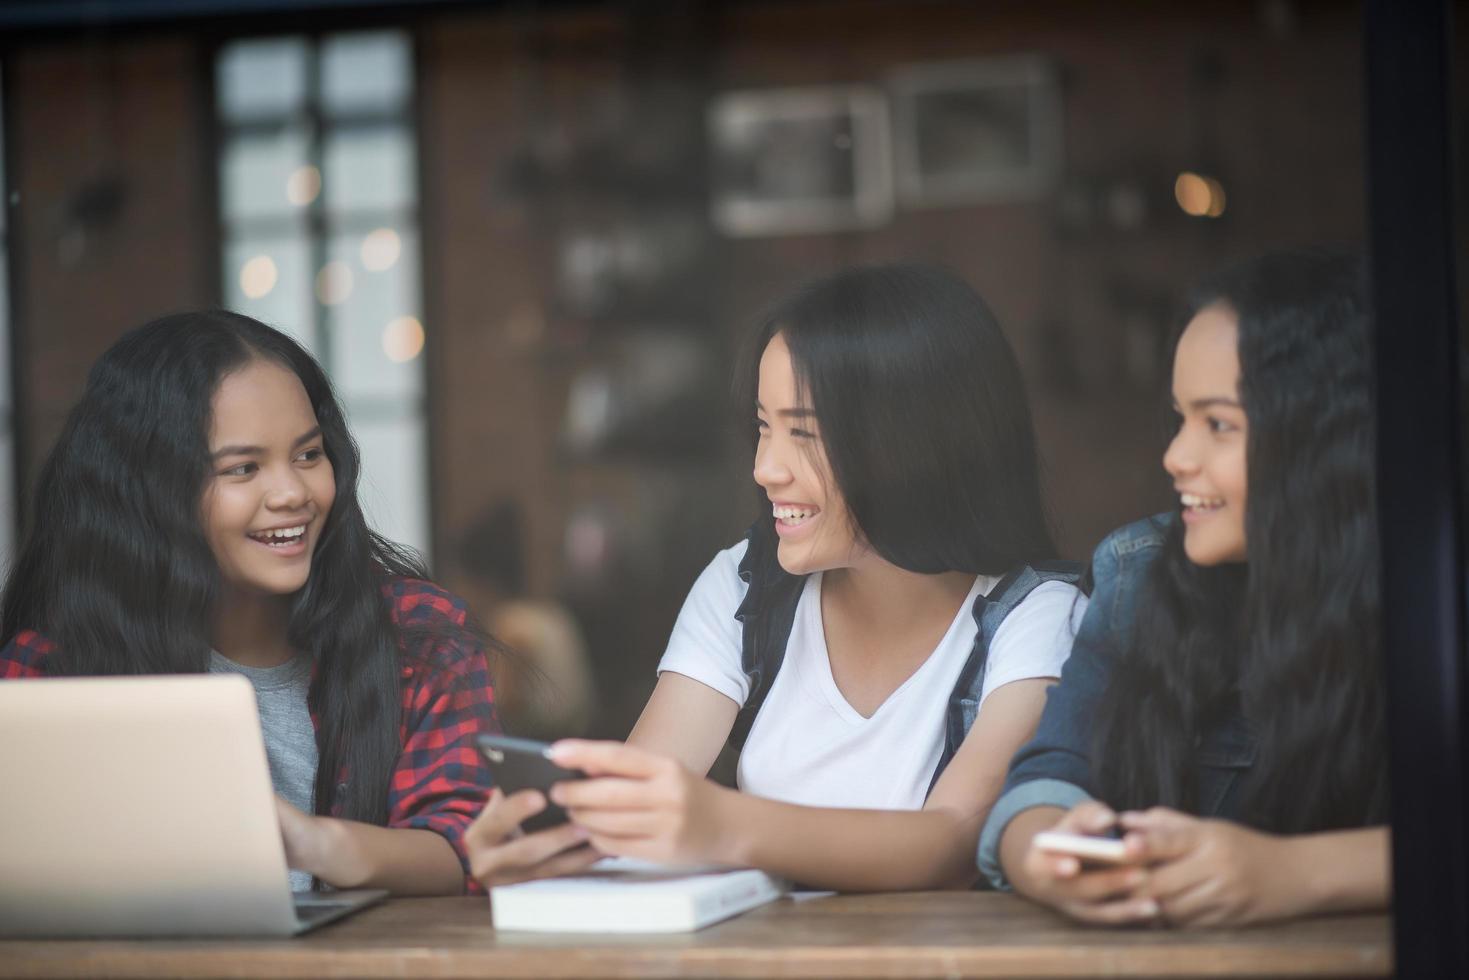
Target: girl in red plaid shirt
199 513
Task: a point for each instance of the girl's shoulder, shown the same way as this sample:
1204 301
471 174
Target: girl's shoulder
723 583
435 628
24 655
1132 546
1119 569
415 602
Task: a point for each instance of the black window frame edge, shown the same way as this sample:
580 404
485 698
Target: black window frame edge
1420 500
14 270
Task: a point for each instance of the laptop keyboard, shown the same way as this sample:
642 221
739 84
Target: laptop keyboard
314 909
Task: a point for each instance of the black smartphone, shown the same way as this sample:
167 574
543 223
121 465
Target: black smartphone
520 763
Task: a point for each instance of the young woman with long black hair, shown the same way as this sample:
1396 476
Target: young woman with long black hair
881 642
1222 708
199 513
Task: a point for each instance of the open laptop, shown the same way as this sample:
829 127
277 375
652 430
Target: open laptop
142 806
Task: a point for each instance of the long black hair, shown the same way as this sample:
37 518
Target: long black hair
1292 632
114 566
922 412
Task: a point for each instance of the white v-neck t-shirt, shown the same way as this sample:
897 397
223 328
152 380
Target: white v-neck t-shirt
808 744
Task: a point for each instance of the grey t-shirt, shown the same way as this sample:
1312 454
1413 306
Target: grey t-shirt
290 738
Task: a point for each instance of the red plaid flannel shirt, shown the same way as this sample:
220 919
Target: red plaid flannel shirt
441 780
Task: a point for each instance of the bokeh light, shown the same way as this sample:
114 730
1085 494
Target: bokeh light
334 283
1199 195
258 276
403 339
380 249
303 185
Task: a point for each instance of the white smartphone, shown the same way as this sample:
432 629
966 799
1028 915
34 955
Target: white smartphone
1099 850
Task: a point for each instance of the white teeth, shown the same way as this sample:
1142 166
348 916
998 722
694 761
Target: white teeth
1194 501
794 514
281 534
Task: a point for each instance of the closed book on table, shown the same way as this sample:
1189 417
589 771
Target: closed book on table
620 895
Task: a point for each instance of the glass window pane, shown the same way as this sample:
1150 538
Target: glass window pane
4 312
7 445
4 205
394 484
267 175
260 79
369 169
376 328
362 287
271 280
4 355
365 73
7 498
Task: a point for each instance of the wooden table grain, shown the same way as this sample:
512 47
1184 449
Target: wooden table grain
937 934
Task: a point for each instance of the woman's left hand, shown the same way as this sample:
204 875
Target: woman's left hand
639 804
300 835
352 854
1213 872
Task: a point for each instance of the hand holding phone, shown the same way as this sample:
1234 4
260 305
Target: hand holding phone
1089 849
520 763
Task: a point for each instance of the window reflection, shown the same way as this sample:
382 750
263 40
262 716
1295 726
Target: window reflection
318 202
365 73
359 363
7 419
262 174
287 304
394 461
371 168
261 79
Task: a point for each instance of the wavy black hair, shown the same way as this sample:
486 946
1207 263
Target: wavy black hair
1292 632
114 566
922 412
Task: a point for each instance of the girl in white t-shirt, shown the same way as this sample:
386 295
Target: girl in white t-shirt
895 451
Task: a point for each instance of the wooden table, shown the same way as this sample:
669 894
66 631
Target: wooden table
940 934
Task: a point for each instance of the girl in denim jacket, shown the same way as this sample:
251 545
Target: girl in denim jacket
1222 707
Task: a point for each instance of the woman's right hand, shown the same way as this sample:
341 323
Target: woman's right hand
500 854
1103 895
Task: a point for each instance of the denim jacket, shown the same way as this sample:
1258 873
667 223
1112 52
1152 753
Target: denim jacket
1055 768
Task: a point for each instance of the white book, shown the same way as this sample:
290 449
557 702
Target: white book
622 895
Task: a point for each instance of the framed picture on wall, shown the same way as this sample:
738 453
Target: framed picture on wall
800 160
976 131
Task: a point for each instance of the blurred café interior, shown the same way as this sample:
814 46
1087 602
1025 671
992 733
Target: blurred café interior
526 238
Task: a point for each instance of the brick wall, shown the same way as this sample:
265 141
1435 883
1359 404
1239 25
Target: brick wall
111 225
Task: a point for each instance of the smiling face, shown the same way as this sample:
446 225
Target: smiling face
271 485
810 516
1207 457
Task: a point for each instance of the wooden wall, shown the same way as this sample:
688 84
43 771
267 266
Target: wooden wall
112 207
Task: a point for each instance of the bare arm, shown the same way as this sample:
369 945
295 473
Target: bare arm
853 850
655 808
350 854
685 720
1345 871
